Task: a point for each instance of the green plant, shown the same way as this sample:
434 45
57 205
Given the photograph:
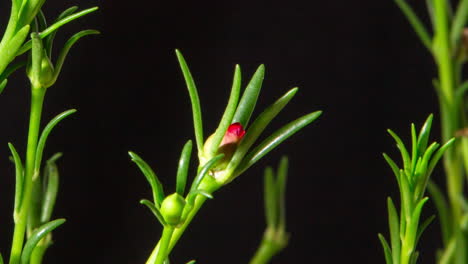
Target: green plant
36 188
225 155
412 179
448 46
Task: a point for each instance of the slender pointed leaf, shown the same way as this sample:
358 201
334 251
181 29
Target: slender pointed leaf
44 135
11 69
49 40
19 178
154 210
183 168
156 186
249 98
393 166
258 126
438 155
191 262
3 84
204 170
423 227
1 259
196 109
394 224
414 223
401 146
430 11
51 185
386 249
281 180
66 48
41 20
424 133
192 195
270 194
415 23
273 141
52 28
226 120
414 148
442 209
459 22
36 236
15 43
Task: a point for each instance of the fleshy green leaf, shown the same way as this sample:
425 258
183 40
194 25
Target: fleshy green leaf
394 224
282 177
3 85
204 170
442 209
48 41
459 21
51 185
15 43
226 120
11 69
270 194
415 23
36 236
196 109
423 137
41 21
19 178
423 227
438 155
66 48
414 148
254 131
386 249
1 259
154 210
191 262
55 27
192 195
394 167
249 98
404 153
414 222
272 141
156 186
45 133
183 168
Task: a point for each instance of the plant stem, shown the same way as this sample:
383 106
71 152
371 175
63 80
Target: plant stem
37 100
268 248
208 185
164 244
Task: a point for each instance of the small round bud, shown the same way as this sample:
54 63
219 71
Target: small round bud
172 208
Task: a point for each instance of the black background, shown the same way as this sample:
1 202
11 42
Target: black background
358 61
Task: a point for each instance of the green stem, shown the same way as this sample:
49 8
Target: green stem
37 100
164 242
209 185
267 249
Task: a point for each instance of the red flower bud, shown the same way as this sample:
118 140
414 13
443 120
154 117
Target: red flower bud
234 134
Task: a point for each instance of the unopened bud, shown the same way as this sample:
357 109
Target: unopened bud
172 208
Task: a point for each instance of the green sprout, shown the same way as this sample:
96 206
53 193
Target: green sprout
412 179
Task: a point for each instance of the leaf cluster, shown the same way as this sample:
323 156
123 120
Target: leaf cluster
412 179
